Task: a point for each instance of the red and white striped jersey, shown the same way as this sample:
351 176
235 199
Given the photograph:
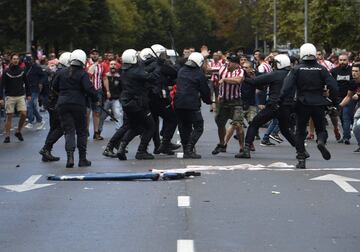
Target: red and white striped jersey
264 68
96 73
230 91
215 67
327 64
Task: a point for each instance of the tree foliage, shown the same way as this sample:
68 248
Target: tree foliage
120 24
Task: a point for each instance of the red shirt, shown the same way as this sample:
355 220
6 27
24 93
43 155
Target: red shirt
215 67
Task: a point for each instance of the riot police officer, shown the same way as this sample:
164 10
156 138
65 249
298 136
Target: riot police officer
56 131
73 85
190 87
272 110
135 102
160 103
310 78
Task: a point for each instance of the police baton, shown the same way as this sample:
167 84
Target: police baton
109 114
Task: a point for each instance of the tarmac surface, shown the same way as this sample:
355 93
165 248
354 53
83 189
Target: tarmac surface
236 205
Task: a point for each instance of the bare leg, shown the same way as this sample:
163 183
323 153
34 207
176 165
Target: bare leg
229 133
8 124
21 121
96 121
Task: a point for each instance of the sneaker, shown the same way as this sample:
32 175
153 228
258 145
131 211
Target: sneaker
97 136
266 143
357 150
40 125
276 138
346 141
7 140
19 136
337 134
219 148
252 147
29 126
310 137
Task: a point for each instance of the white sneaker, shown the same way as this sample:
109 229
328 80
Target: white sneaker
40 125
29 126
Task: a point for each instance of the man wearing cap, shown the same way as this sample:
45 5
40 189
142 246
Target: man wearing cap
230 104
98 78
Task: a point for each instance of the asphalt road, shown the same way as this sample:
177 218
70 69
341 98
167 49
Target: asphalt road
232 207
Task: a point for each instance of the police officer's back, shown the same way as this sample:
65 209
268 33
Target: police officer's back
191 88
310 79
73 85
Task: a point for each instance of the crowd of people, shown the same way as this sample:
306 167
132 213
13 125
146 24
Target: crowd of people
139 87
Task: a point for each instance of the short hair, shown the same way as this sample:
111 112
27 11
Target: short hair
256 50
261 56
356 65
13 54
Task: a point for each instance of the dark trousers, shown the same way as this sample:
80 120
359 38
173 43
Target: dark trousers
161 108
140 123
116 138
304 112
281 113
191 125
73 120
55 132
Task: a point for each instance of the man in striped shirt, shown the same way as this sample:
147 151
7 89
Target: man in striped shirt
98 77
229 103
214 66
322 61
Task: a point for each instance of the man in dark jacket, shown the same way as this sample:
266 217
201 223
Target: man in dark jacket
16 86
135 102
310 78
36 78
191 86
272 110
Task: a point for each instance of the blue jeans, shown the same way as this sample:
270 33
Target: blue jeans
33 108
356 126
117 111
273 128
347 118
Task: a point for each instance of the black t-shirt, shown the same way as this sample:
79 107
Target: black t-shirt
343 77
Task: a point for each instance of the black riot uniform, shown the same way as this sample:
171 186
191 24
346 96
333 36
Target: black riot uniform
309 78
191 87
272 110
73 86
56 131
160 103
135 102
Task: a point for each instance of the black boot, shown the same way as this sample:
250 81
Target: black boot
142 152
189 152
47 156
109 151
324 152
301 164
121 153
83 162
165 148
245 153
174 146
70 159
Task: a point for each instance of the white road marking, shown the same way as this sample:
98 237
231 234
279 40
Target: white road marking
340 181
177 132
183 201
185 246
278 166
28 185
179 155
178 141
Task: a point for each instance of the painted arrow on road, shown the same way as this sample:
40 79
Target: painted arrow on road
28 185
340 181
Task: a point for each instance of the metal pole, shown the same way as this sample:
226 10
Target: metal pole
274 31
306 21
28 25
